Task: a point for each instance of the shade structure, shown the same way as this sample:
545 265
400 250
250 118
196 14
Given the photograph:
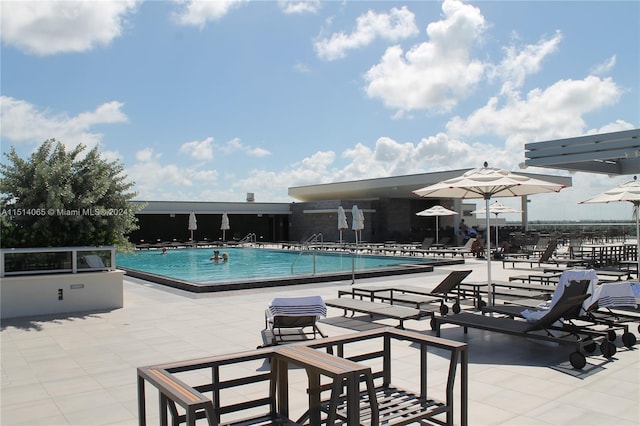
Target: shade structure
193 223
342 221
486 183
630 192
496 208
224 225
436 211
357 223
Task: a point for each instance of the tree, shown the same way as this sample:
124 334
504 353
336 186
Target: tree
60 198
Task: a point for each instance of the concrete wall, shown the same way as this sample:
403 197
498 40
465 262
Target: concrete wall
25 296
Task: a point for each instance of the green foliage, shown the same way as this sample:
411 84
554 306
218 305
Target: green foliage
59 198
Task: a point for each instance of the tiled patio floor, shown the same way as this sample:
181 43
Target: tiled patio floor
80 369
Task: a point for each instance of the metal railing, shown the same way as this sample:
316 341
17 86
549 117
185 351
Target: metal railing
249 238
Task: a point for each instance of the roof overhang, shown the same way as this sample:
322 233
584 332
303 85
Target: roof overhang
389 187
616 153
207 207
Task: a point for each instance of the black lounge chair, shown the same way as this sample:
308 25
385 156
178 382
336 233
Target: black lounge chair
290 319
589 313
448 288
546 328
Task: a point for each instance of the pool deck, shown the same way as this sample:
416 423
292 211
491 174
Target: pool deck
80 369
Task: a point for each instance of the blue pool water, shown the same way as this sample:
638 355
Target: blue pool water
194 265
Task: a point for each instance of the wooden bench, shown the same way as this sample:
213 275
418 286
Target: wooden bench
401 313
174 391
361 391
399 405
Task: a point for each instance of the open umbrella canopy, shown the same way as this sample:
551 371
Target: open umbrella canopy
496 208
436 211
628 191
485 183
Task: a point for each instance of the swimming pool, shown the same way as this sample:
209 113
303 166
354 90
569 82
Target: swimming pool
192 269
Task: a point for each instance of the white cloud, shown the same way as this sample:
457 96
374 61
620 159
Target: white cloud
396 25
157 181
301 67
236 145
200 150
604 67
520 62
433 74
303 6
197 12
51 27
554 112
23 122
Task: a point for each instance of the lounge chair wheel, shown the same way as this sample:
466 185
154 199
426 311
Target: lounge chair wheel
577 360
611 335
608 349
590 347
629 339
481 303
444 309
456 308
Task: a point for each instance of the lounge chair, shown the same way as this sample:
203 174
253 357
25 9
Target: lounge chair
289 319
602 296
454 251
422 249
545 258
550 327
448 288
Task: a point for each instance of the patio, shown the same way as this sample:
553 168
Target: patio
81 369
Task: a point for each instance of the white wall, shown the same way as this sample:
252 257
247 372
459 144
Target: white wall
25 296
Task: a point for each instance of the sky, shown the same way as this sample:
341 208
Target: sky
211 100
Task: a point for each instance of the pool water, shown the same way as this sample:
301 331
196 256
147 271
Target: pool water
194 265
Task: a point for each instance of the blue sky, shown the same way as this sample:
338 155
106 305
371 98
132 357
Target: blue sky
209 100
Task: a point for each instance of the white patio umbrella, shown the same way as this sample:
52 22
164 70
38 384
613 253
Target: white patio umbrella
496 208
485 183
356 224
436 211
342 221
628 191
193 224
224 225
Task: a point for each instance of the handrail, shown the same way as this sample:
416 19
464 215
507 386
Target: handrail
302 251
249 238
314 238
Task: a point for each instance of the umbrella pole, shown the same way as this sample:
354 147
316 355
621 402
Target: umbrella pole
488 255
496 226
437 240
637 208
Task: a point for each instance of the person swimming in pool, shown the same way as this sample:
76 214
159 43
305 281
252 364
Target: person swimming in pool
225 257
216 256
